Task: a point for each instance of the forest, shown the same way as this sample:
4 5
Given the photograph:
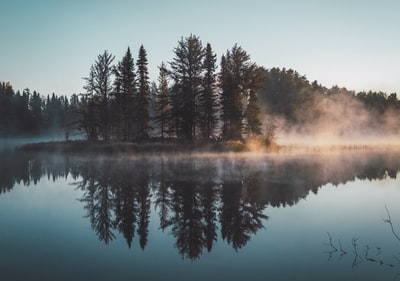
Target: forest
194 100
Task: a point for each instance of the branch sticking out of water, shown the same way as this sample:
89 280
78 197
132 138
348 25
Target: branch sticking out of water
389 221
330 244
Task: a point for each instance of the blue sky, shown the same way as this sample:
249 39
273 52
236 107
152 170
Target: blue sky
49 45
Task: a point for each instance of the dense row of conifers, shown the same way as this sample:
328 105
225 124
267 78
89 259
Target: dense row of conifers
190 101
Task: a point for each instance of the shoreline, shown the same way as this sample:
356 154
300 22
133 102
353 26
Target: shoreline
218 148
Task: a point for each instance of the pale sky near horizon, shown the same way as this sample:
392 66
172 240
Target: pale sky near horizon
49 45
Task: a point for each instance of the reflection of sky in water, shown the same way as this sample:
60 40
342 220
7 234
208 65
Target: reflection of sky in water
44 234
352 210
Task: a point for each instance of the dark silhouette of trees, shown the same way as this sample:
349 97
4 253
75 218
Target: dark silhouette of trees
190 103
30 114
288 94
239 77
117 109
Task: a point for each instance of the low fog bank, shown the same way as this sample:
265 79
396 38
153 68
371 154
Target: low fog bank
14 142
274 180
304 113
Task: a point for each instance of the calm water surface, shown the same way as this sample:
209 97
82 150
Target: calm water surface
244 217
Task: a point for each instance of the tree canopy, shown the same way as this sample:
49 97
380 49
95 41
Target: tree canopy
193 100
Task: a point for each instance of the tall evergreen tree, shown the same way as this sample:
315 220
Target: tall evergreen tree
143 95
208 97
103 88
124 96
187 69
22 111
162 105
6 109
238 75
89 109
35 107
253 119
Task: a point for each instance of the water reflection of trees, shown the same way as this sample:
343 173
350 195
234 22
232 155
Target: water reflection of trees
117 198
196 200
190 198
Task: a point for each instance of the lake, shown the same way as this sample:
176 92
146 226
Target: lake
200 217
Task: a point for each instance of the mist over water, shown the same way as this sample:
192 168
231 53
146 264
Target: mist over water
340 122
127 215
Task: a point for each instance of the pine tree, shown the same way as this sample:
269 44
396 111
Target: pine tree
22 111
35 107
89 109
253 112
103 88
6 109
96 119
124 96
187 69
238 76
162 105
208 97
143 95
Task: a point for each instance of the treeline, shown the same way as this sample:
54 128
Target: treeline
191 101
29 114
311 108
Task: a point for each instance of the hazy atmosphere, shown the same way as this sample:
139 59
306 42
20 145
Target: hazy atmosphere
199 140
49 46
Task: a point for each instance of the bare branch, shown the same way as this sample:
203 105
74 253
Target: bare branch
389 221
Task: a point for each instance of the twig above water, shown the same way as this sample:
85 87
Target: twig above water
389 221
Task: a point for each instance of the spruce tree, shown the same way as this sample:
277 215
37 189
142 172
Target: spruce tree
162 104
208 97
253 120
143 95
89 110
7 117
103 88
186 73
35 107
238 78
124 96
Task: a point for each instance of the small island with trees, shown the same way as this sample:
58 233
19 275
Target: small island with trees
191 105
